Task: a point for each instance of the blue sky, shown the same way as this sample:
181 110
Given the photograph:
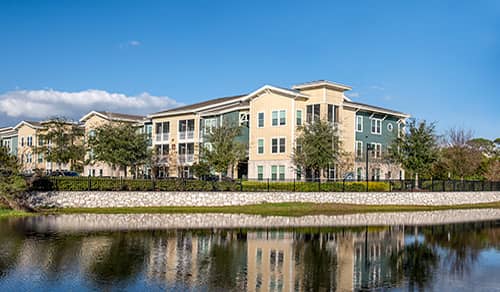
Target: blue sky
437 60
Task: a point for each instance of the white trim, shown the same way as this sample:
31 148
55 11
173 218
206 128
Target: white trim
371 126
356 148
362 121
27 124
301 116
279 112
109 118
271 144
325 83
377 110
270 88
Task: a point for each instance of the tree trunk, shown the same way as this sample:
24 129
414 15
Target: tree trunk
125 171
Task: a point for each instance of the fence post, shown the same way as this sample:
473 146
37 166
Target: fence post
343 185
444 186
294 185
241 184
268 185
319 184
153 184
90 183
454 185
432 184
390 186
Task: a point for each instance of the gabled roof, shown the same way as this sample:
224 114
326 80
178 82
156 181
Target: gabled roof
322 83
113 116
280 90
31 124
199 106
378 109
7 132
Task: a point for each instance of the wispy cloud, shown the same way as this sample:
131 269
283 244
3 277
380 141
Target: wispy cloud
132 43
40 104
377 87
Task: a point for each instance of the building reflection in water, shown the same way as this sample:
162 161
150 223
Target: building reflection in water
334 259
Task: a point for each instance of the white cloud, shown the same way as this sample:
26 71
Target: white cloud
377 87
41 104
134 43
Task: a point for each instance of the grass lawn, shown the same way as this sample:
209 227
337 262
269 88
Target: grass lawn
9 213
280 209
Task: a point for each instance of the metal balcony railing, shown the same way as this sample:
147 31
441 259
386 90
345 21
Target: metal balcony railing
186 135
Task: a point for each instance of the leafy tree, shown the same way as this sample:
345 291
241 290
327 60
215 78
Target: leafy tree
459 158
120 145
317 147
11 182
62 144
222 151
417 149
201 169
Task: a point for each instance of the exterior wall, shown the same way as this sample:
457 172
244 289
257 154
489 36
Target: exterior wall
267 103
95 169
174 164
23 151
385 138
11 143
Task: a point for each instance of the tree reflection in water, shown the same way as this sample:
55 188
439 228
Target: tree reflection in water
341 259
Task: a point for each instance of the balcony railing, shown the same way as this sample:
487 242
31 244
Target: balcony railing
186 135
186 158
162 137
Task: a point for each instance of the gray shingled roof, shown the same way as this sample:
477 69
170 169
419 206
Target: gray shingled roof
201 104
119 116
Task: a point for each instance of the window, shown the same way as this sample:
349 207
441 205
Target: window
376 126
377 150
274 170
282 145
260 172
40 141
390 127
359 173
260 146
359 123
299 118
278 145
274 118
210 124
260 122
376 174
298 174
100 172
282 118
29 141
40 157
330 113
29 158
278 118
22 141
359 149
336 114
312 113
282 172
186 129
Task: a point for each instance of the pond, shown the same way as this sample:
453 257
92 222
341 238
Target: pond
89 253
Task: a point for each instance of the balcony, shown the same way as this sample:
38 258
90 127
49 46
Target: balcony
162 137
186 158
186 135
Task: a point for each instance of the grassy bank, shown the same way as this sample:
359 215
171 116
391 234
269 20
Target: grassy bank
11 213
281 209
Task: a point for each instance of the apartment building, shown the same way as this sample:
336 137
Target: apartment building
95 119
29 138
270 117
8 139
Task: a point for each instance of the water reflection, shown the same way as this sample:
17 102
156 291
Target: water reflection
310 259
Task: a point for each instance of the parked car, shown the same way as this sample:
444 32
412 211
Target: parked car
64 173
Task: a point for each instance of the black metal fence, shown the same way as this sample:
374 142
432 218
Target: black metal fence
258 185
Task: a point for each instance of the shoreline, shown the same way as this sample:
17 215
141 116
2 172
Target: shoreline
290 209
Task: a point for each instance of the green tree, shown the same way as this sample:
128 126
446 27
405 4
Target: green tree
120 145
461 156
11 181
201 169
317 147
417 149
62 143
222 151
